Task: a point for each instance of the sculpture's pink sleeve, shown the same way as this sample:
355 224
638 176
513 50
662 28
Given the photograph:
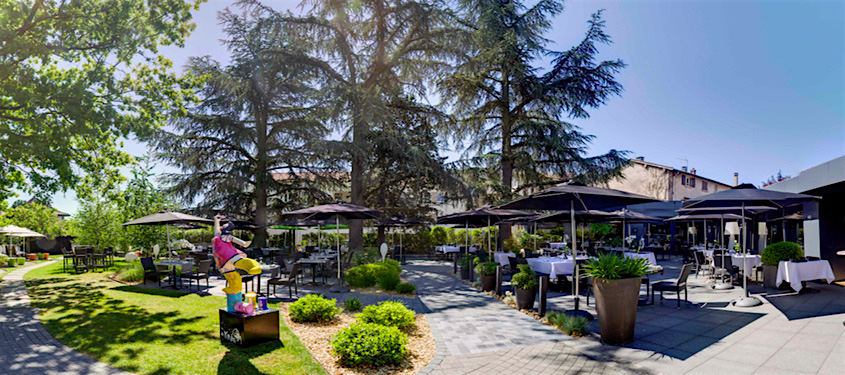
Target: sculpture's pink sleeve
223 251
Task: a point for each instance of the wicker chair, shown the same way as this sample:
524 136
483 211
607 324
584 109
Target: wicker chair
289 281
150 270
201 273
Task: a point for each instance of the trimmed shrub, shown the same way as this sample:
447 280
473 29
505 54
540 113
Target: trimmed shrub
131 272
487 269
387 313
393 265
313 308
406 288
525 278
353 304
388 281
575 326
367 275
369 344
780 251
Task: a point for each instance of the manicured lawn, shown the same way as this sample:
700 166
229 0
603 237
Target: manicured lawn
148 331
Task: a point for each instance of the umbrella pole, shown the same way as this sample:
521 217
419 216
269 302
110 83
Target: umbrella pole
337 240
783 224
576 311
488 235
466 237
167 229
535 236
746 300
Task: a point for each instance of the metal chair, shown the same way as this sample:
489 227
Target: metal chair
151 270
673 286
289 281
201 273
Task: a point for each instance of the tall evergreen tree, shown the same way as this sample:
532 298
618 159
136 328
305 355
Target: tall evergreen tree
514 113
254 122
367 55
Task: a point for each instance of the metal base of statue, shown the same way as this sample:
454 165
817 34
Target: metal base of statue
248 330
747 302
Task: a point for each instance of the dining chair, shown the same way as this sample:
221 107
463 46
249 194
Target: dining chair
201 273
289 281
673 286
150 270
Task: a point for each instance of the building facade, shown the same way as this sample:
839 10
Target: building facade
664 182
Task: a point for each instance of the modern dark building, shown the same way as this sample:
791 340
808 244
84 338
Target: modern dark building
824 221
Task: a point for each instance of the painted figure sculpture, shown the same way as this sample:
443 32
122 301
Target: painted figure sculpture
231 261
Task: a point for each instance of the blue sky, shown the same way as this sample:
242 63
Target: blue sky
727 86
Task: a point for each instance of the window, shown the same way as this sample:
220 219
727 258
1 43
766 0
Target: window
683 180
692 182
441 198
703 185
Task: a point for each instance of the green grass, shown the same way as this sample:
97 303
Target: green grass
149 331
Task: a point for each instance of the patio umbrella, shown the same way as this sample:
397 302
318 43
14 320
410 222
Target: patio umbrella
748 195
632 217
16 231
563 216
478 217
335 211
167 218
573 197
399 221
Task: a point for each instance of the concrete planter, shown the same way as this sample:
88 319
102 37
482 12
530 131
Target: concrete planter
525 298
770 276
464 271
616 306
488 283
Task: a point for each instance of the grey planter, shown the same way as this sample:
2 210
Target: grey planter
616 306
525 298
464 272
770 276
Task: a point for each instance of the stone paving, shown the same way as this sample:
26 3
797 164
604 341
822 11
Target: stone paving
477 334
26 347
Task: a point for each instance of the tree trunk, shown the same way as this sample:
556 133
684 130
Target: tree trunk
260 239
381 236
356 227
507 151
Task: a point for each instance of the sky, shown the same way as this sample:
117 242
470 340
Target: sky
753 87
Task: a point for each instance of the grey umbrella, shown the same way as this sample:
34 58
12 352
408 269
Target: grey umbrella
167 218
335 211
484 216
573 197
399 221
565 215
747 195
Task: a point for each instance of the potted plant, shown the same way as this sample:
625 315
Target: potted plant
524 284
774 254
464 265
616 284
487 271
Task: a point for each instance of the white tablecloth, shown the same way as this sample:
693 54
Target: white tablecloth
502 258
750 262
557 245
447 249
795 273
647 255
555 267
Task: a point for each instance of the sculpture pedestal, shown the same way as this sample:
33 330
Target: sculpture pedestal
248 330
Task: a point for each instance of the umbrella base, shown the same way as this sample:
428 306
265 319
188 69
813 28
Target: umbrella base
723 286
338 288
747 302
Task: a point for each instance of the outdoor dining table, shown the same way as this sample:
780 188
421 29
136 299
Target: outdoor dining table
648 256
751 261
313 262
557 245
796 272
502 258
447 249
172 264
553 266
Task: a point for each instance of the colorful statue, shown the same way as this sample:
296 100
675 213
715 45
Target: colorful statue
230 261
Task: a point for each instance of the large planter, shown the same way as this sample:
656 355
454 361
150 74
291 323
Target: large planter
488 283
616 306
525 298
770 276
464 272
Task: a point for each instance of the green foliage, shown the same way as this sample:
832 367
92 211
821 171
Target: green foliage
353 304
131 272
370 345
4 261
387 313
467 261
37 217
781 251
367 275
487 269
613 267
388 281
439 235
313 308
599 231
75 76
406 288
451 236
525 278
575 326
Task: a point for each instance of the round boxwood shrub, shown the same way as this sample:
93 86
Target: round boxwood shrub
388 281
387 313
367 275
779 251
313 308
487 269
406 288
369 344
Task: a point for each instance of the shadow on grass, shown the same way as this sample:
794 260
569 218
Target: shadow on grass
237 359
93 323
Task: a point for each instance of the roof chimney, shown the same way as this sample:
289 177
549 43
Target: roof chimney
641 158
692 171
736 178
684 168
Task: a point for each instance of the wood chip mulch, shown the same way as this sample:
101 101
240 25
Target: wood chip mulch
316 337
